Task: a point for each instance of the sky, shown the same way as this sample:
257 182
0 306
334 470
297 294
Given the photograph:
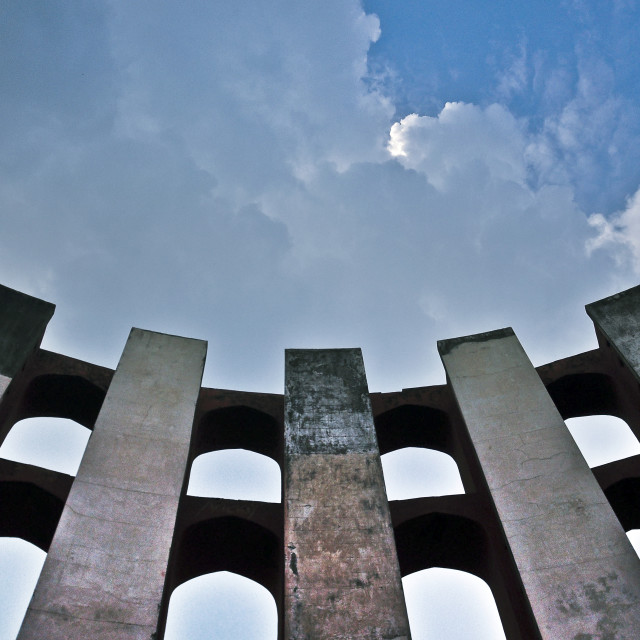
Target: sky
265 175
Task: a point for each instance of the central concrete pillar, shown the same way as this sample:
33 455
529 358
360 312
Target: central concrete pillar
580 572
342 578
105 570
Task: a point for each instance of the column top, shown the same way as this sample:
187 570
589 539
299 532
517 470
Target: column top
618 319
445 346
23 320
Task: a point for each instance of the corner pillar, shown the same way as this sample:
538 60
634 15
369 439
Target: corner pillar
342 578
105 570
617 319
580 573
23 320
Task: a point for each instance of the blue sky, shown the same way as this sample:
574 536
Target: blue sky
265 175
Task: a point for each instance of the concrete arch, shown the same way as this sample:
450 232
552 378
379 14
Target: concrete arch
230 544
238 427
235 474
583 394
29 512
62 396
443 540
414 472
221 604
413 425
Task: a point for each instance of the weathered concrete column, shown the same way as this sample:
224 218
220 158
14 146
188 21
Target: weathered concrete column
342 578
23 320
104 574
618 319
580 573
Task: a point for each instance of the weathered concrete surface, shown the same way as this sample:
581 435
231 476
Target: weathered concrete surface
618 318
342 578
580 573
23 320
104 574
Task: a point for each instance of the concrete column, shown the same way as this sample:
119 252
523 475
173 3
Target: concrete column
23 320
618 319
580 573
104 574
342 578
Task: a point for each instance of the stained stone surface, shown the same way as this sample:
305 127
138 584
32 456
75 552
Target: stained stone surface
580 573
342 578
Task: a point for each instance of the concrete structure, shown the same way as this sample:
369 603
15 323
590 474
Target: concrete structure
542 529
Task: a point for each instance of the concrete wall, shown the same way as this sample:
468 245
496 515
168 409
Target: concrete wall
105 570
534 523
580 573
342 578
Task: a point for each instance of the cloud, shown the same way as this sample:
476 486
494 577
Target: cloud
620 233
238 177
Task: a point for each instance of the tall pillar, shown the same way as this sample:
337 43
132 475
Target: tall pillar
618 320
342 578
23 320
580 573
104 573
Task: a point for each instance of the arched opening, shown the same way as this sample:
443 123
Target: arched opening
238 427
414 472
634 539
230 544
221 605
235 474
20 566
443 540
583 394
624 498
414 426
603 438
52 443
63 396
451 604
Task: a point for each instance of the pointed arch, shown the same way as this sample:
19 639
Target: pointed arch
235 474
414 472
465 606
57 444
221 604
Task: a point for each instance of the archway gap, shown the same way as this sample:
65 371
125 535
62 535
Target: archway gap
443 540
238 427
460 605
221 604
624 498
20 566
584 394
63 396
411 425
235 474
414 472
634 539
229 543
52 443
603 438
29 512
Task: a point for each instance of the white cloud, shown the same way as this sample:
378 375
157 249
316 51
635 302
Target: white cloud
620 233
